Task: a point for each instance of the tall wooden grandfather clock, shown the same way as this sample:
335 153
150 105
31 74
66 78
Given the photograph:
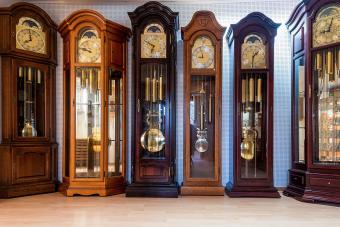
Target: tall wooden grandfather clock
203 38
95 60
252 40
154 71
28 59
315 173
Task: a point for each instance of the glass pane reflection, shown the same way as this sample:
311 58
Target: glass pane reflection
88 122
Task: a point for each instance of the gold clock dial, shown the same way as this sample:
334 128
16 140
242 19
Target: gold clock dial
326 28
203 53
89 50
30 36
253 53
153 42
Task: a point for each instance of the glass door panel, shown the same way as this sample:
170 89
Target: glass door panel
88 122
152 104
30 102
253 122
299 103
327 102
115 108
202 127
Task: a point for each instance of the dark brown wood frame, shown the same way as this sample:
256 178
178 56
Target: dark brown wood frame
203 23
258 23
309 182
39 153
163 185
114 39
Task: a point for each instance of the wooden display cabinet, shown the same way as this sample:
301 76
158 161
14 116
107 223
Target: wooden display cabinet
154 105
203 38
252 41
95 61
315 173
28 59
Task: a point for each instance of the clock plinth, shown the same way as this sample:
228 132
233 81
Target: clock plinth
152 190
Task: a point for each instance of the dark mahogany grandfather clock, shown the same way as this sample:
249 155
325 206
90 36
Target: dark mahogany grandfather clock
252 40
315 173
154 69
28 59
203 38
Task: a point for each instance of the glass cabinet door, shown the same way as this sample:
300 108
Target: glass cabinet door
30 102
202 127
88 122
153 108
299 103
115 123
326 87
253 125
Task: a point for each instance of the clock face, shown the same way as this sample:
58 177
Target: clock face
253 53
89 46
326 28
153 42
203 53
30 36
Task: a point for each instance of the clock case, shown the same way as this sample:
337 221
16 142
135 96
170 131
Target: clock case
257 23
154 177
113 64
28 164
308 181
203 23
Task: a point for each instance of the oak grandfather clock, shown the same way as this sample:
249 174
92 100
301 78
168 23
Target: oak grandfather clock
203 38
95 61
28 59
154 71
252 41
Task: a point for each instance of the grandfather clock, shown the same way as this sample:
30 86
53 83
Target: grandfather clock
95 58
252 40
203 38
315 30
154 71
28 59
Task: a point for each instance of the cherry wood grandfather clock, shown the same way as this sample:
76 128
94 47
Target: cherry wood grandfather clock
154 71
315 30
203 38
28 59
252 41
95 59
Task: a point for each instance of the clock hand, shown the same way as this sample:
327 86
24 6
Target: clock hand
153 46
30 35
330 25
85 49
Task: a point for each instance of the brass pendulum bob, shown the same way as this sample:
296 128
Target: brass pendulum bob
247 145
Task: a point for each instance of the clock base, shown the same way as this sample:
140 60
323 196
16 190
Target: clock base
202 191
109 187
261 192
152 190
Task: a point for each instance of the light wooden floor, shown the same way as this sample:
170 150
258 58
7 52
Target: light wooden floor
58 210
